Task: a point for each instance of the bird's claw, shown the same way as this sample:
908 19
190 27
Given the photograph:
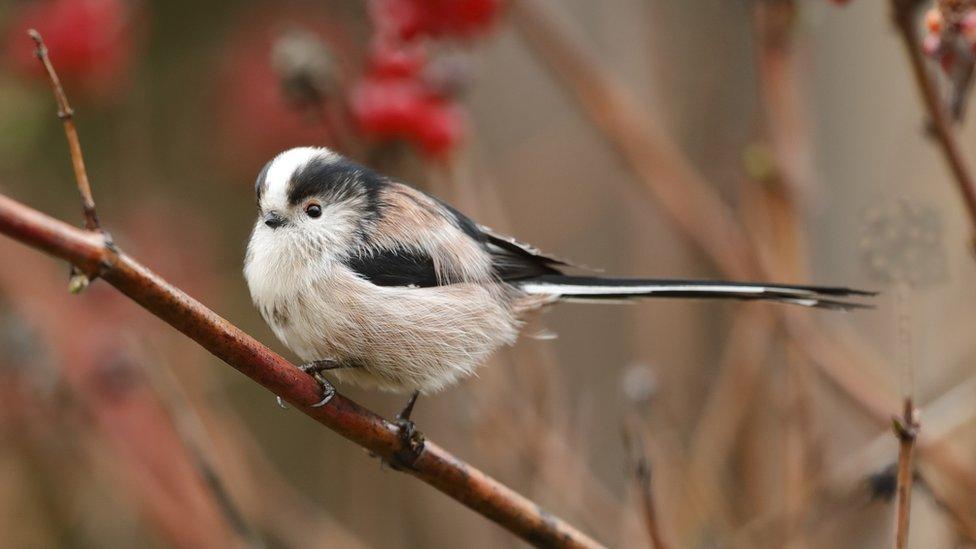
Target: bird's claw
328 391
315 370
412 445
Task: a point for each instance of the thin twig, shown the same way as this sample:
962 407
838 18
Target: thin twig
906 429
642 479
905 13
66 114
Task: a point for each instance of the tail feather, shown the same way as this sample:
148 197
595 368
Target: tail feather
583 288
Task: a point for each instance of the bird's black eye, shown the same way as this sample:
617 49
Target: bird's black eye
313 210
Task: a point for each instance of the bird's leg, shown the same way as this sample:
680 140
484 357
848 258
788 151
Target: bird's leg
404 414
316 366
315 369
413 440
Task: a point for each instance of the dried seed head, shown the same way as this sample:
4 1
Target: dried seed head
639 384
305 67
901 241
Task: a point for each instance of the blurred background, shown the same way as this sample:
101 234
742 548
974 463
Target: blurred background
755 139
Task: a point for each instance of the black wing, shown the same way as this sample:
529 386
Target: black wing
416 268
395 268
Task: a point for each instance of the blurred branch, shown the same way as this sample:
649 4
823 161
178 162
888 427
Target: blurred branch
190 429
662 169
905 14
687 199
66 114
432 464
906 429
642 479
782 100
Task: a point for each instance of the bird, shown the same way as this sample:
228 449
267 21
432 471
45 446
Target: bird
385 286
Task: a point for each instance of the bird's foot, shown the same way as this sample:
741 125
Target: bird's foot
315 369
412 440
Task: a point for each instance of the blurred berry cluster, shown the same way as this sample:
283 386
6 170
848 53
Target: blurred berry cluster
91 41
405 93
286 66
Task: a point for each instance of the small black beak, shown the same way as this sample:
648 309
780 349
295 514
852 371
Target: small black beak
273 220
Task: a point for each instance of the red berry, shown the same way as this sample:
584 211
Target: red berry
400 19
933 20
396 60
440 128
465 18
401 108
967 27
387 108
409 19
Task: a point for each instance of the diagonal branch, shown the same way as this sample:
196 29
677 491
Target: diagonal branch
90 253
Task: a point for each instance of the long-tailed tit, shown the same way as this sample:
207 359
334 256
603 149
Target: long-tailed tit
389 287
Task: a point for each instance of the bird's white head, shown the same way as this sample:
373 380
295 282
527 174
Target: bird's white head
313 205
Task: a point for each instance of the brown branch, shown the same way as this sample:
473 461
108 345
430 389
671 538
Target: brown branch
904 13
432 464
66 114
906 429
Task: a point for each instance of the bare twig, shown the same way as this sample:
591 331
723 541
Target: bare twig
66 114
906 429
905 13
642 479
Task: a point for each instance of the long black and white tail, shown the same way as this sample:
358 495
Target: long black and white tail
584 288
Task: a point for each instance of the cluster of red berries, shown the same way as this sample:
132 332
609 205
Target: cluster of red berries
396 99
950 34
90 41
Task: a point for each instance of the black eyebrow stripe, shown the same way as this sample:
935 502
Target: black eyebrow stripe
338 177
261 183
